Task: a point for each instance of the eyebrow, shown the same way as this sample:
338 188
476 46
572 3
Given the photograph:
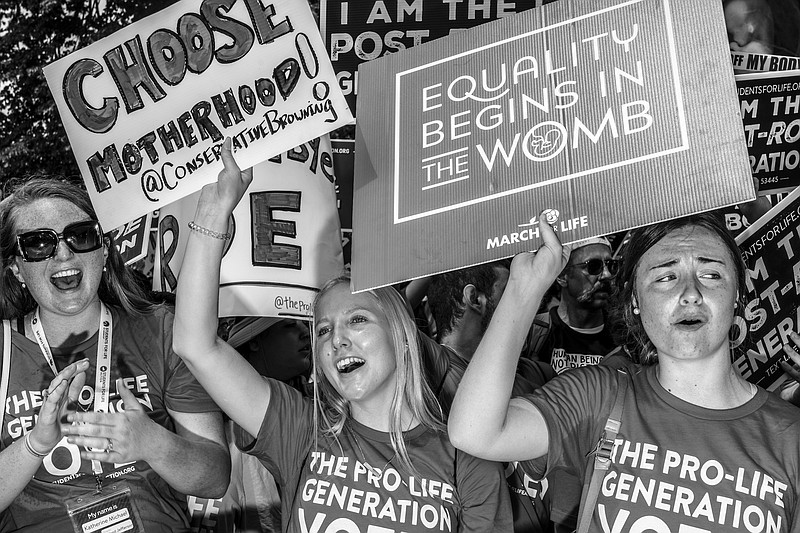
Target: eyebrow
673 262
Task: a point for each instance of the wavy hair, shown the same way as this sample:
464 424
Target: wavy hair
118 286
629 331
412 391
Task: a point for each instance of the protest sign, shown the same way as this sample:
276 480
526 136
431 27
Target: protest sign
763 27
746 62
132 238
611 115
359 31
286 240
344 156
771 115
147 108
770 248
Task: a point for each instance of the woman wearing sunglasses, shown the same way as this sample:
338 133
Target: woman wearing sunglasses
370 451
103 422
684 442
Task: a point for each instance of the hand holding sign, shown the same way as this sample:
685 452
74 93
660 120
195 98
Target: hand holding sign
231 184
542 266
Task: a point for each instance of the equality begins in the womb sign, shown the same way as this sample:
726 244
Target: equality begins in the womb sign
147 108
610 114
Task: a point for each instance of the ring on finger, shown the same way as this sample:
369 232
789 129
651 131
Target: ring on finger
110 446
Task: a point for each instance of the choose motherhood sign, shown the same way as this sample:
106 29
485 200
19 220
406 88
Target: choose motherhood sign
611 115
147 108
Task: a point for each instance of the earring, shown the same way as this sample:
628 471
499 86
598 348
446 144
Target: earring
23 285
635 310
104 268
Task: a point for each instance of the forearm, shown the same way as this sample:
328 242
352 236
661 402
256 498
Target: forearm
480 408
17 467
194 336
199 467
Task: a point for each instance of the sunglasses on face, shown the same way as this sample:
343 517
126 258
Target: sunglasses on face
41 244
594 267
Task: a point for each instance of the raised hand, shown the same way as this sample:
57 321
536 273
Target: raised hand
230 186
62 392
543 265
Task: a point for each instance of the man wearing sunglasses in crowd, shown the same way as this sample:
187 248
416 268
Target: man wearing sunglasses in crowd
572 334
576 332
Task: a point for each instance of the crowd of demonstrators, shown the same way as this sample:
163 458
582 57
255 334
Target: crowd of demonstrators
462 303
277 348
688 422
360 452
577 331
139 430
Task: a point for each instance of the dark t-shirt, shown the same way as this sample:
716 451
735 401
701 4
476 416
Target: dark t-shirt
142 355
530 498
676 466
565 348
356 482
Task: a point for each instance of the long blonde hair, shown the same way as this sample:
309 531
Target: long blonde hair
412 391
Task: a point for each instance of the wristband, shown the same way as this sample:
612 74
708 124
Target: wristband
31 449
209 232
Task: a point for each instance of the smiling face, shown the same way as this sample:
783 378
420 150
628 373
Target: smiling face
354 348
67 283
685 288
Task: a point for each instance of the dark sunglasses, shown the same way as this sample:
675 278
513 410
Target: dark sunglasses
41 244
594 267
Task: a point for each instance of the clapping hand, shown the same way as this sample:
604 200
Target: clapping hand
118 437
62 392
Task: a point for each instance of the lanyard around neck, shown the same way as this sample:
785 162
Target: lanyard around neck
102 378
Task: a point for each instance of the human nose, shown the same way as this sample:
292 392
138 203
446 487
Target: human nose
691 294
339 337
63 251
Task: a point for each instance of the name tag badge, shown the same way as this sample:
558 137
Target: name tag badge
107 512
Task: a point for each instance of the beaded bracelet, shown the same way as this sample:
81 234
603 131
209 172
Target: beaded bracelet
209 232
31 449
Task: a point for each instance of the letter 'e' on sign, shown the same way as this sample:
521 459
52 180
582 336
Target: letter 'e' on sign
612 114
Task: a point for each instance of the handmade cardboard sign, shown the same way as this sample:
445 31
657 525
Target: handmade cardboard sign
771 250
286 240
609 114
771 115
147 108
359 31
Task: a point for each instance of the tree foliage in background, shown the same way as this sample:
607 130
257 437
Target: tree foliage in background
34 33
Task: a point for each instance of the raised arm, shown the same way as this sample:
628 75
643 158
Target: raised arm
484 421
230 380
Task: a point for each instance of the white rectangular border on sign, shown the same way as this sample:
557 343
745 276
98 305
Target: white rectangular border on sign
681 118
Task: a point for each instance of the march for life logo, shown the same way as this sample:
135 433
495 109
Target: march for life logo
651 488
64 463
346 494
